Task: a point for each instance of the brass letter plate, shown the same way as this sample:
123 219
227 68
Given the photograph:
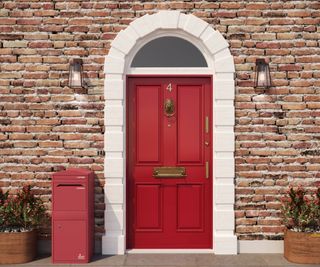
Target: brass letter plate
169 172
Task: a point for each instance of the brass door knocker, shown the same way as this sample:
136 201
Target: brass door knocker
169 107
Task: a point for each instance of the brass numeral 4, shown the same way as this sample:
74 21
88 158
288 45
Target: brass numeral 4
169 87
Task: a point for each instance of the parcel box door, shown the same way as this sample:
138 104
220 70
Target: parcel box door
70 240
70 196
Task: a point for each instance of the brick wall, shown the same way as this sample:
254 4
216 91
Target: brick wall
45 125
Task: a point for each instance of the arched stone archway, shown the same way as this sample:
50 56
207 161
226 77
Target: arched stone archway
221 66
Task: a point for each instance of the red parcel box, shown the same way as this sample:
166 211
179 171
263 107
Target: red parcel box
72 216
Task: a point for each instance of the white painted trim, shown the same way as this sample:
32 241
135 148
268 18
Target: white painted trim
169 251
168 71
260 246
221 67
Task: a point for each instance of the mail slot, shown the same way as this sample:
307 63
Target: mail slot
72 216
169 172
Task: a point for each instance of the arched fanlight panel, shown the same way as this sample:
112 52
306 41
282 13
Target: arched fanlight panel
169 52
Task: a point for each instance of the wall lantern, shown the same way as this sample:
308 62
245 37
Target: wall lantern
75 73
262 78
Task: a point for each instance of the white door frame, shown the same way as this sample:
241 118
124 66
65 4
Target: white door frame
221 67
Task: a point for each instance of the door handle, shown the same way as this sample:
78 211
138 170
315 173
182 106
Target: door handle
169 172
207 124
207 169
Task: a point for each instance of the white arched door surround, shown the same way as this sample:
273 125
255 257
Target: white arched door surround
221 67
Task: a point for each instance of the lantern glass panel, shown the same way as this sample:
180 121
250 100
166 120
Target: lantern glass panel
262 78
75 73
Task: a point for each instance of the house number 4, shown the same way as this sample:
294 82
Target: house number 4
169 87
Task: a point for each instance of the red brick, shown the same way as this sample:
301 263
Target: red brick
282 21
74 121
48 122
35 75
76 52
45 13
290 67
315 105
74 144
40 45
208 5
224 14
25 144
55 21
50 144
301 83
231 5
80 160
77 29
52 28
55 160
7 21
19 136
29 21
81 22
271 45
299 13
264 36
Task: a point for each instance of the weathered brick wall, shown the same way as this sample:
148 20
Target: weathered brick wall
45 124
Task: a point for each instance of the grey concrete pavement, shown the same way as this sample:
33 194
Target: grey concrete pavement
177 260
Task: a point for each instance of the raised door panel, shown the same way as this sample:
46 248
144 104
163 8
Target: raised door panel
190 207
148 124
148 207
190 133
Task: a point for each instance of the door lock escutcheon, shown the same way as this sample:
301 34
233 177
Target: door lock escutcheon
169 108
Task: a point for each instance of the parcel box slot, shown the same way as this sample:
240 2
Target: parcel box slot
60 185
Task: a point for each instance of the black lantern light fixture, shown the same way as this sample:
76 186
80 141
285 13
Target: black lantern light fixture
75 73
262 78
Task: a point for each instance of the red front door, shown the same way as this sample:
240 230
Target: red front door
169 175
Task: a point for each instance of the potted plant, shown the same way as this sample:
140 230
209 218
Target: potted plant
301 212
20 215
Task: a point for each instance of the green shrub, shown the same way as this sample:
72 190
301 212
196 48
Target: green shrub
21 212
301 210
